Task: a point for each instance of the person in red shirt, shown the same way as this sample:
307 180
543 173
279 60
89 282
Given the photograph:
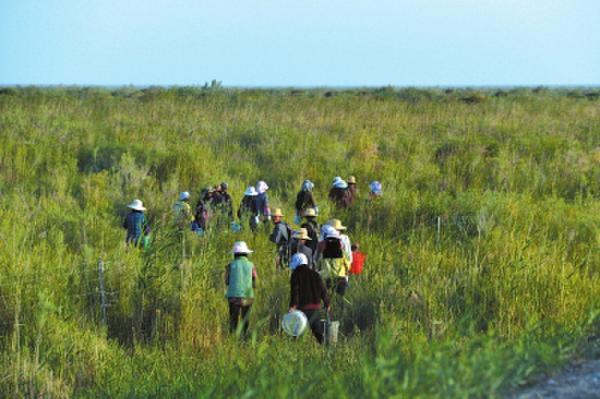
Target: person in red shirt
358 260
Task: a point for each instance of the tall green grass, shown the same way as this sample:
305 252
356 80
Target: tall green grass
483 255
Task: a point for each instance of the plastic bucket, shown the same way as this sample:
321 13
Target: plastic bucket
330 330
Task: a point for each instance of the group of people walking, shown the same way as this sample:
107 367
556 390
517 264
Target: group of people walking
321 257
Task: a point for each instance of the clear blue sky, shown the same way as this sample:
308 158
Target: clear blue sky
300 42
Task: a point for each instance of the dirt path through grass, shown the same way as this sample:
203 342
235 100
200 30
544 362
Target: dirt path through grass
581 381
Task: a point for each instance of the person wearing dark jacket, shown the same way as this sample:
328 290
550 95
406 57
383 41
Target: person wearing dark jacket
307 291
339 193
299 239
312 228
280 236
352 190
305 200
226 204
248 210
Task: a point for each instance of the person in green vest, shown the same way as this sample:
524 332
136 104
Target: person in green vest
240 278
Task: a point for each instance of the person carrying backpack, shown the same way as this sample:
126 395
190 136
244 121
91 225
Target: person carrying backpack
333 265
240 279
183 211
304 200
346 245
281 237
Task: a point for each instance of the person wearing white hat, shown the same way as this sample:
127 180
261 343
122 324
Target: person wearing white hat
307 291
240 278
183 211
247 209
338 193
261 201
135 223
304 200
375 189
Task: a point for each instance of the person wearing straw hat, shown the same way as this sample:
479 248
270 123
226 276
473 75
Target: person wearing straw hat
307 291
281 237
333 265
312 227
135 223
240 279
338 193
346 245
299 245
352 190
304 200
183 210
247 209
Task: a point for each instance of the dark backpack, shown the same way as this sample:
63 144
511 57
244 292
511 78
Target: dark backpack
333 249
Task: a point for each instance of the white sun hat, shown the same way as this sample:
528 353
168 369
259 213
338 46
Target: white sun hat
261 186
294 323
341 183
298 260
136 205
240 247
184 195
251 191
329 232
376 188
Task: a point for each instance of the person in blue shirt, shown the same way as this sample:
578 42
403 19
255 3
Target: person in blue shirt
136 224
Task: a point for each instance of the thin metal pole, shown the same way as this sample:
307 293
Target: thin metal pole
103 304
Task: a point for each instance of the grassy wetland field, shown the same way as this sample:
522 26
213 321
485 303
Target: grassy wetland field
483 265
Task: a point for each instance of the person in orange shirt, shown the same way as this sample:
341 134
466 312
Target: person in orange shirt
358 260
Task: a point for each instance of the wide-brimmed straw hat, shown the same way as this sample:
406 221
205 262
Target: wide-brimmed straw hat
240 247
310 212
136 205
352 180
336 224
277 212
301 234
251 191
